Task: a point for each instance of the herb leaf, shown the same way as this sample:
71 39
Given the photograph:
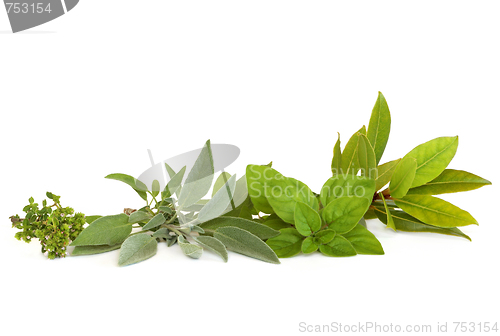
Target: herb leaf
403 176
139 216
219 202
309 245
260 230
350 163
363 241
366 157
287 244
257 176
157 220
343 213
338 247
214 245
384 173
243 242
107 230
450 181
94 249
191 250
137 248
379 126
137 185
435 211
346 185
337 158
220 182
307 220
432 158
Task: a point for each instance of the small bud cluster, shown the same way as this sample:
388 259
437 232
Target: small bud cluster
53 225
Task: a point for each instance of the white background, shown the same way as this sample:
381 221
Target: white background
87 94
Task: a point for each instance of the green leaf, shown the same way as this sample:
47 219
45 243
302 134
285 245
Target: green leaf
219 202
157 220
347 185
107 230
199 179
214 245
363 241
407 223
435 211
155 188
137 248
432 158
243 242
325 236
343 213
309 245
162 233
220 182
91 219
277 224
191 250
307 220
260 230
384 173
170 171
139 216
284 192
379 126
338 247
366 158
137 185
95 249
350 163
337 158
450 181
287 244
257 177
390 221
403 176
166 209
174 185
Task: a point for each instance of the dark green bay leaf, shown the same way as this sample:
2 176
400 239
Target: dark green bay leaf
338 247
287 244
94 249
384 173
432 158
246 243
213 245
405 222
435 211
403 176
450 181
363 241
137 248
343 213
260 230
107 230
379 126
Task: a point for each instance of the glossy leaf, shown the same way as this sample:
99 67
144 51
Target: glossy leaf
435 211
260 230
450 181
137 248
199 179
390 221
243 242
366 158
156 221
257 177
363 241
214 245
346 185
350 164
407 223
137 185
94 249
338 247
220 182
343 213
191 250
403 176
384 173
307 220
107 230
337 158
379 126
287 244
309 245
432 158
